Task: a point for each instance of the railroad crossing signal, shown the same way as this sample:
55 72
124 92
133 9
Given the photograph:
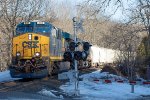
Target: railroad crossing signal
80 26
77 55
73 55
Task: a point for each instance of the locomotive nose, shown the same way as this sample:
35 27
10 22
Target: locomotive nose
30 45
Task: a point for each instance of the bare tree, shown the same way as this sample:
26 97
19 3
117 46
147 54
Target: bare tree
14 11
126 39
103 6
140 14
64 14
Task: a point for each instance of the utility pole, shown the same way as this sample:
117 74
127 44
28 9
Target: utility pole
76 92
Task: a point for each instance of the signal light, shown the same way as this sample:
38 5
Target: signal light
68 56
84 55
78 55
72 46
86 46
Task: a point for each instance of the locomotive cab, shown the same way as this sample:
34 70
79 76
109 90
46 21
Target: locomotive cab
36 46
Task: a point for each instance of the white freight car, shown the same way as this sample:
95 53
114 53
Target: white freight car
99 55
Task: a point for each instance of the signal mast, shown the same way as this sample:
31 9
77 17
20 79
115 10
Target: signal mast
73 55
75 61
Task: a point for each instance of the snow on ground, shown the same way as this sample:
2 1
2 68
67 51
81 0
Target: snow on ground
101 91
104 75
5 76
46 92
49 93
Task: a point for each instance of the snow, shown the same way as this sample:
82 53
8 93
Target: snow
67 75
5 76
49 93
101 91
90 89
104 75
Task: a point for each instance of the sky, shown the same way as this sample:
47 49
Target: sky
119 15
122 14
69 3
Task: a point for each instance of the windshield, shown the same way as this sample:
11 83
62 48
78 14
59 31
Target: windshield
25 29
41 29
34 28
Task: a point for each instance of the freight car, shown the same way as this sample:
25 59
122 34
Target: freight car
100 56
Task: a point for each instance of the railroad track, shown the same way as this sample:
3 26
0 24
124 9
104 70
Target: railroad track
15 85
33 84
32 88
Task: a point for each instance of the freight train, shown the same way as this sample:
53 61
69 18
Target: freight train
38 50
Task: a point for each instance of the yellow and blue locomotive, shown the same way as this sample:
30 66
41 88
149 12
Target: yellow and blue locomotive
38 49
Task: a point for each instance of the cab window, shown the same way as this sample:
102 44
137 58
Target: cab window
21 30
54 32
59 34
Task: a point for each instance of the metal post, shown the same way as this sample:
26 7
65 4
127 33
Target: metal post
148 72
132 88
75 61
132 73
128 57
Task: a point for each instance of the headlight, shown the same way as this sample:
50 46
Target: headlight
37 54
18 54
30 36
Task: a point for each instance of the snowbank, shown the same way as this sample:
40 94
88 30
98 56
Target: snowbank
100 91
103 75
5 76
46 92
49 93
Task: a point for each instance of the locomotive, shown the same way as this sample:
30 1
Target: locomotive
38 49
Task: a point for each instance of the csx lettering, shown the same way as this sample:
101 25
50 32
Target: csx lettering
30 44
